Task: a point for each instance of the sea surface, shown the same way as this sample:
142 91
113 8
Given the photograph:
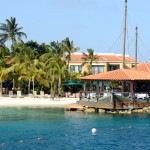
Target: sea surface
56 129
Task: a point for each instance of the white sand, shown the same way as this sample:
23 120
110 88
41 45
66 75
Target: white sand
35 102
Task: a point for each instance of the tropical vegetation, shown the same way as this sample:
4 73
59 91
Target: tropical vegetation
29 66
88 59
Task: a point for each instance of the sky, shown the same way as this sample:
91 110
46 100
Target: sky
95 24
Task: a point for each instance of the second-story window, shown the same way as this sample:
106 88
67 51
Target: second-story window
76 68
97 69
113 67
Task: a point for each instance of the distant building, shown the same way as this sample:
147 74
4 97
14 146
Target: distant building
106 62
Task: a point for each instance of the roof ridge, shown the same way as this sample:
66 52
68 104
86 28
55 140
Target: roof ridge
119 57
147 66
128 74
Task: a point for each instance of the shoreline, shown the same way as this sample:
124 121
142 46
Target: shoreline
35 102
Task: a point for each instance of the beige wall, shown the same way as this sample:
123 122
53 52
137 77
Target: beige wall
105 64
105 67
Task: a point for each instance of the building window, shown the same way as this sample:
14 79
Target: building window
76 68
133 66
113 67
97 69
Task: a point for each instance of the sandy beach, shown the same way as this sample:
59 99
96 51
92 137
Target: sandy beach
35 102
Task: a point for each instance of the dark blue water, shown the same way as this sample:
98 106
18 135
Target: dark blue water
55 129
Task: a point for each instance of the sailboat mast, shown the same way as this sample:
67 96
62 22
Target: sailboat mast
136 45
124 39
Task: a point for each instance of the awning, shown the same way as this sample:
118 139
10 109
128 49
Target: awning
73 82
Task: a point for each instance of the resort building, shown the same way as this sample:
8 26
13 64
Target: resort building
106 62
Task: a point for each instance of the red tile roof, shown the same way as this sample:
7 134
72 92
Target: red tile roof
143 67
103 57
120 74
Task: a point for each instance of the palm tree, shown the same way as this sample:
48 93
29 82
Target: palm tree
49 72
43 48
4 72
25 63
38 49
89 58
2 41
4 51
56 49
112 84
60 72
54 68
11 31
69 48
30 72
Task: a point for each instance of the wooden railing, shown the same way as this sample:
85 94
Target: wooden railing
97 95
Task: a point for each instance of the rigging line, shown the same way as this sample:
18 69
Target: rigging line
129 43
119 46
142 56
130 24
114 43
147 50
141 53
119 37
130 21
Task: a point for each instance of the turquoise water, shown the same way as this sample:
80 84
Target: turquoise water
55 129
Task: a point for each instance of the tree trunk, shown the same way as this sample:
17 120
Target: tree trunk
51 90
29 83
33 86
13 83
59 87
1 87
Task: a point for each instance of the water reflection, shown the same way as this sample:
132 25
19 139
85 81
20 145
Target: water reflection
14 114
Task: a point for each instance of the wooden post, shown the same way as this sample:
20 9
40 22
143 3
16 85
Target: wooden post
97 87
101 86
91 85
84 86
132 90
113 101
122 89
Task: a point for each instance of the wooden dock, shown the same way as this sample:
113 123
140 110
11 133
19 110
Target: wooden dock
112 103
74 107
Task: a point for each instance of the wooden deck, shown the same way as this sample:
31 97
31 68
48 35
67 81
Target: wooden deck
74 107
111 102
